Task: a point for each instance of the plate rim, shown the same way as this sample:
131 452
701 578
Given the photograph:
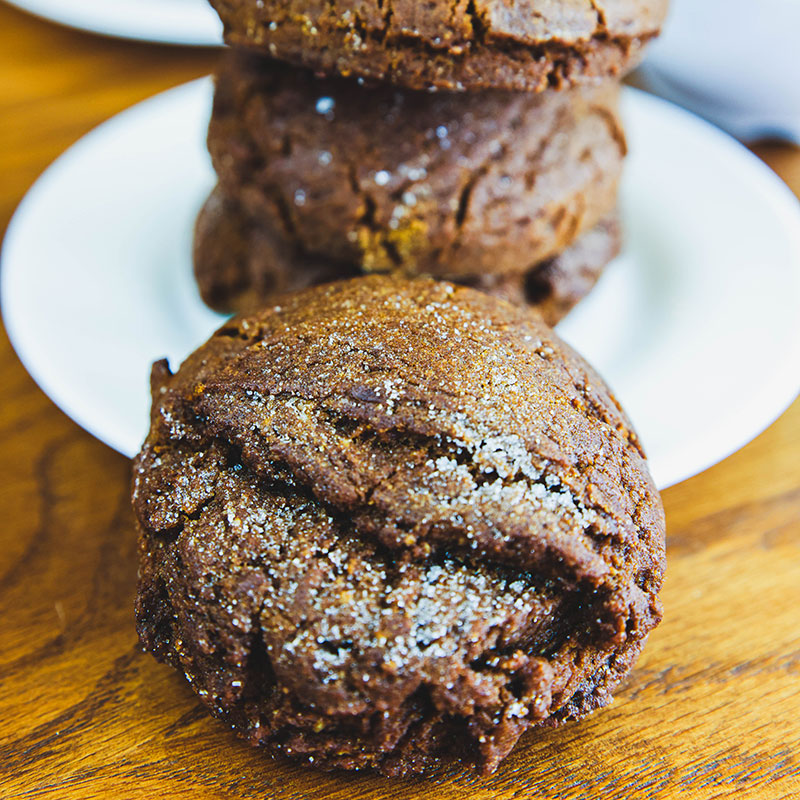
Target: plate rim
15 231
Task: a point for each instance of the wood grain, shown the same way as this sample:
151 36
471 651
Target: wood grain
711 711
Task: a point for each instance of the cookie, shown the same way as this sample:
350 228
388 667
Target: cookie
444 184
238 264
385 523
463 45
555 286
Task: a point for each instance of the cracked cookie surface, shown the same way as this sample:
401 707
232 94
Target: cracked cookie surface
387 522
446 184
239 263
466 44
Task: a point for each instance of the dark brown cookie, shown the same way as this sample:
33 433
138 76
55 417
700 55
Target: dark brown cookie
238 264
463 45
385 522
444 184
555 286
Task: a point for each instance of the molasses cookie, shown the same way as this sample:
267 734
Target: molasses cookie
444 184
387 522
238 264
463 45
555 286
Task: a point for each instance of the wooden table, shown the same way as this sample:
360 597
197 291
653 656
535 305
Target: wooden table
712 710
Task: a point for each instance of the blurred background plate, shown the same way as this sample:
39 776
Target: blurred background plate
734 62
191 22
695 325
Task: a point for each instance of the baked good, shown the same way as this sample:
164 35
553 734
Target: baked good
555 286
238 264
385 522
464 45
444 184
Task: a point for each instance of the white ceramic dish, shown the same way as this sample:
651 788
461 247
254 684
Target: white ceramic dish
735 62
191 22
695 325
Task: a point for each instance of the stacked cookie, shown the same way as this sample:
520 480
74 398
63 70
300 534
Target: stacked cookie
478 143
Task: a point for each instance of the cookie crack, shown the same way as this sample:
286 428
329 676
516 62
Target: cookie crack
480 26
613 125
361 507
602 27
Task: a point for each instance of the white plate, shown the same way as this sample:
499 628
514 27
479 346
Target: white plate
173 21
695 325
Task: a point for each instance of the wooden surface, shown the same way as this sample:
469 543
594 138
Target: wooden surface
711 711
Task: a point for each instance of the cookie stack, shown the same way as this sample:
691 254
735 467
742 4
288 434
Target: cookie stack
391 521
474 142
